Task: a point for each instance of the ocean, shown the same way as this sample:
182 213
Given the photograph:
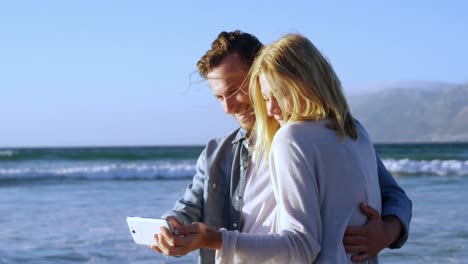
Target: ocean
69 205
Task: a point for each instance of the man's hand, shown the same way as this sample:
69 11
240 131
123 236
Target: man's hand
174 225
368 240
187 239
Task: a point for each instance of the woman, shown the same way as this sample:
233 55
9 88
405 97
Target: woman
322 164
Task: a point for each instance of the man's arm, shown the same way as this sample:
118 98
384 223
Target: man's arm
189 208
389 230
395 203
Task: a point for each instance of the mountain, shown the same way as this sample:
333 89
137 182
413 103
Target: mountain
423 113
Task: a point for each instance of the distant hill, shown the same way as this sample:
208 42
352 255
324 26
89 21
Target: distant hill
423 113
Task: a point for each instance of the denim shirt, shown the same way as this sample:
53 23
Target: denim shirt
215 195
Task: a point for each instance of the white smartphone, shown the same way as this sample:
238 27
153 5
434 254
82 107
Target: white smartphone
143 229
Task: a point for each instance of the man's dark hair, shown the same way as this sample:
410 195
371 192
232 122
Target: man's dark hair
245 46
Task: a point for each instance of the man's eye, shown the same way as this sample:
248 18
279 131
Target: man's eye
266 99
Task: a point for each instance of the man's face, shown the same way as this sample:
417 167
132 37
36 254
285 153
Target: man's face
229 85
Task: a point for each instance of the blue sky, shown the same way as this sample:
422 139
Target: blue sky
87 73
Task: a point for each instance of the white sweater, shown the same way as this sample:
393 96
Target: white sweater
318 183
259 203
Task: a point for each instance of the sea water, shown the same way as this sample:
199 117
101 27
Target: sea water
69 205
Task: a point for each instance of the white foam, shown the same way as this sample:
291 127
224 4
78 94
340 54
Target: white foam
100 170
6 153
437 167
185 169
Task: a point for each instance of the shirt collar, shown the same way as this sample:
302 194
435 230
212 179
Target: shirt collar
241 135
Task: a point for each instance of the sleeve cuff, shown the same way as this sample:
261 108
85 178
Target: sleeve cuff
404 221
178 216
228 245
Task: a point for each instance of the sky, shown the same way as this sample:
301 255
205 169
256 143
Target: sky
123 73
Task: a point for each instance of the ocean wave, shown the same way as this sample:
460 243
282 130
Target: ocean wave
181 169
7 153
100 154
432 167
98 171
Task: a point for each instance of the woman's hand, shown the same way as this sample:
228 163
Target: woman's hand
187 239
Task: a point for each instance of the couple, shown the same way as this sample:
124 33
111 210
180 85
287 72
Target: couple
286 187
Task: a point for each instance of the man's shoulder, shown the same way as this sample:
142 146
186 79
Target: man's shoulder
229 138
225 142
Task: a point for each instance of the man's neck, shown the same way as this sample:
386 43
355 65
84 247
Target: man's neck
248 132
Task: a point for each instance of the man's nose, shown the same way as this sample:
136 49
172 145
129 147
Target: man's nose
230 105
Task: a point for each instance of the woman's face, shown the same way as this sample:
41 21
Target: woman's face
273 108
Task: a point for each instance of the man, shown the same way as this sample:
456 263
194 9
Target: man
216 194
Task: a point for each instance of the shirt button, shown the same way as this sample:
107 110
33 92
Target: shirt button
214 185
234 225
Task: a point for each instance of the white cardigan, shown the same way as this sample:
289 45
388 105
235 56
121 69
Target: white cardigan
318 182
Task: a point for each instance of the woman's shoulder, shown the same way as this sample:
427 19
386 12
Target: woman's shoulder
309 130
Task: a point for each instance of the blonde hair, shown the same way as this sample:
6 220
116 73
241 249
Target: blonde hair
305 86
